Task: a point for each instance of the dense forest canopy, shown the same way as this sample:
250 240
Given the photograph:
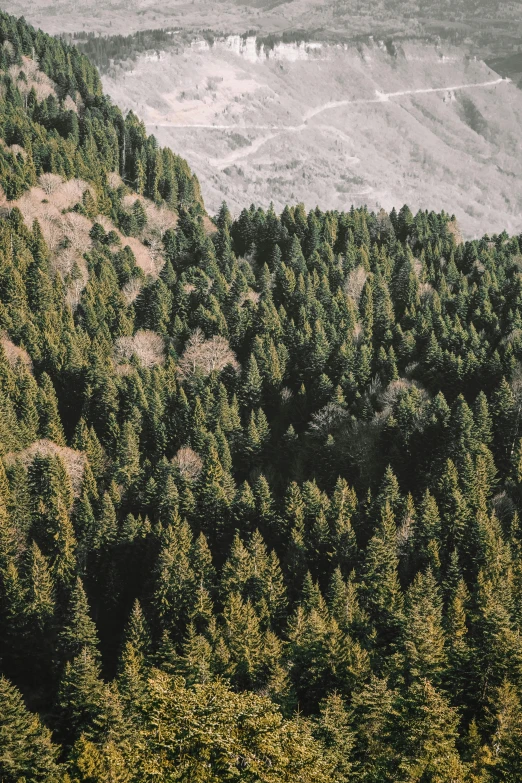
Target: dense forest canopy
259 505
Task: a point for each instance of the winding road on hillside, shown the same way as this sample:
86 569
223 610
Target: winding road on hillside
275 130
385 96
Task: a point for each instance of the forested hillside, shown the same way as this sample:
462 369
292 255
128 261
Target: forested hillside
260 480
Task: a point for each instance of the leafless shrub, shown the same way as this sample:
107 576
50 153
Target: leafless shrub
74 291
76 228
208 226
14 354
188 463
49 183
131 290
74 461
128 200
354 283
383 223
375 386
516 383
52 231
206 355
155 248
107 224
35 78
394 389
143 256
145 344
159 219
14 149
513 336
360 440
14 71
56 226
70 193
39 204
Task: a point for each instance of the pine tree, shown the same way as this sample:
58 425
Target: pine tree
82 697
373 716
26 750
47 404
427 733
334 731
243 639
507 738
127 455
78 632
423 632
381 589
174 577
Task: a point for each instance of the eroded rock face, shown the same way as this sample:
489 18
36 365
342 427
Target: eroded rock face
252 50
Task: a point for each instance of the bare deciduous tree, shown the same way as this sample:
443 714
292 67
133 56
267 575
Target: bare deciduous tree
14 354
206 355
188 463
145 344
354 283
249 296
114 180
49 183
131 290
159 219
70 105
328 420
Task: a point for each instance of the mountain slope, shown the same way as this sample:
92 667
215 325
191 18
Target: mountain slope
336 125
259 504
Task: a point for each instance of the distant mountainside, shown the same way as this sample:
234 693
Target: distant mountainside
376 123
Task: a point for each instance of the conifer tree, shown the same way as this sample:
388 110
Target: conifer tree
428 727
78 632
26 750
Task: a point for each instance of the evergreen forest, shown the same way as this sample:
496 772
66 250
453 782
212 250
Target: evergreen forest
260 478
